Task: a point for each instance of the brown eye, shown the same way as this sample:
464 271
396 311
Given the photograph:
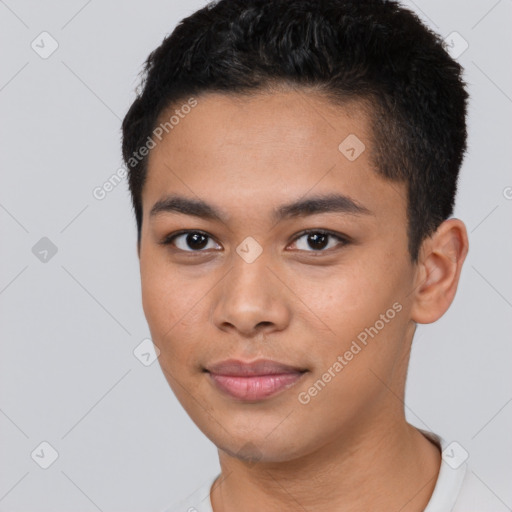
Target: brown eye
191 241
196 241
318 241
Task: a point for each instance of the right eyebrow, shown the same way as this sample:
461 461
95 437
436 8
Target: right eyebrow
186 206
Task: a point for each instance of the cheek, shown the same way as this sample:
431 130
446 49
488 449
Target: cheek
357 304
174 309
164 294
155 298
342 300
160 302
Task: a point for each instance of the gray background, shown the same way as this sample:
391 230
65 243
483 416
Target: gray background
69 325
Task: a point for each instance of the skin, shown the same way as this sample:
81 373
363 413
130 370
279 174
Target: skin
350 448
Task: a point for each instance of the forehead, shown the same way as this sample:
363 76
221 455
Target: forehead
294 119
253 150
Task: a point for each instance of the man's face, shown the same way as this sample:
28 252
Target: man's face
281 295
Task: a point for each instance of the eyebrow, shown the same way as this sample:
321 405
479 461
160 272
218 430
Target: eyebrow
300 208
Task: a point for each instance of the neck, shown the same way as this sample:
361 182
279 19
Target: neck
385 466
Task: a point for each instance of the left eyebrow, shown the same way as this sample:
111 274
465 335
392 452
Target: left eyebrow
321 204
300 208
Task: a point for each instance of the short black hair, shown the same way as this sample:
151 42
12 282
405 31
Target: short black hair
374 51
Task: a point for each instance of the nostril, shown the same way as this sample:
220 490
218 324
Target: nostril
264 324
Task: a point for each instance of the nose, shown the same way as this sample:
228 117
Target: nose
251 300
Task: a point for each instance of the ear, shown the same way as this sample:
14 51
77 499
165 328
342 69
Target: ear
438 271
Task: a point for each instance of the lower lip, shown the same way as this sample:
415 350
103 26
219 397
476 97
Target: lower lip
256 387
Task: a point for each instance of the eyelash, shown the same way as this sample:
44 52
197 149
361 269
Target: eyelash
343 240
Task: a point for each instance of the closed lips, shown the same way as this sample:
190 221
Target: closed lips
254 381
237 368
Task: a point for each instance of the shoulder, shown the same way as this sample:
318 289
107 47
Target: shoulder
458 487
475 495
198 501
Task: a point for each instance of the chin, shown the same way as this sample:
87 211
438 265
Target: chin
257 447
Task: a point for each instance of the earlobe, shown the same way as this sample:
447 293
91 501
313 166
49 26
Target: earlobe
439 268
